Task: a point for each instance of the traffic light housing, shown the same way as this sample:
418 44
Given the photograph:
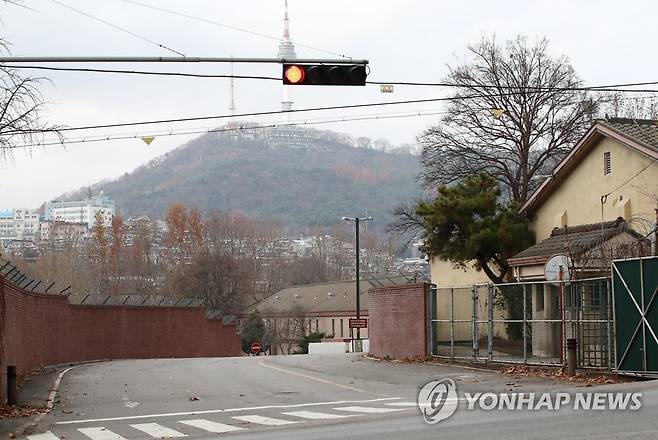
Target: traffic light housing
324 74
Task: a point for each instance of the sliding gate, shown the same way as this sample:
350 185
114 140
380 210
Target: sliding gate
635 287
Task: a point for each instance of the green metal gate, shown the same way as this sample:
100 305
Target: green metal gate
635 287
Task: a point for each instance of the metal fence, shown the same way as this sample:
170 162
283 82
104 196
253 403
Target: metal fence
524 322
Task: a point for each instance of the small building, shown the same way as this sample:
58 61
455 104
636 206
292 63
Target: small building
590 248
611 172
82 211
61 234
18 224
291 313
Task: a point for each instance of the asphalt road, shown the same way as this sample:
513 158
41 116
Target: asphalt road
312 397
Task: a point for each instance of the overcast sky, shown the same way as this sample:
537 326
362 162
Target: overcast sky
607 42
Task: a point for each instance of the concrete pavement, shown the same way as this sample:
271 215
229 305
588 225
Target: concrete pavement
311 396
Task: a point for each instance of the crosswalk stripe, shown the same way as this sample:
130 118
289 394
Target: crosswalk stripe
45 436
368 409
262 420
209 426
157 431
406 404
316 415
420 405
100 433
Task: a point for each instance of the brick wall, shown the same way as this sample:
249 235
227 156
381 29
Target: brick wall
398 320
39 329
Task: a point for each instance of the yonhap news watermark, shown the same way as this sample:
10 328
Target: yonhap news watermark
439 399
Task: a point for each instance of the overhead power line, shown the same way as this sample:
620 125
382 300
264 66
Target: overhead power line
242 115
604 88
114 26
251 114
225 116
139 72
168 133
604 197
226 26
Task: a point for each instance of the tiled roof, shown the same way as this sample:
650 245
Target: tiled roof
641 134
338 296
644 131
579 239
328 297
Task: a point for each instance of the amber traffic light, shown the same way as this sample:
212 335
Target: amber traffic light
325 74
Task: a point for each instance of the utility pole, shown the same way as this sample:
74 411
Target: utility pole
654 241
357 346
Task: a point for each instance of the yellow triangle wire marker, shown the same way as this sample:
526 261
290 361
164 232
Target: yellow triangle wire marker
148 139
497 112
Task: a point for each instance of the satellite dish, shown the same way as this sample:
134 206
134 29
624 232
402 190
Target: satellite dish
557 269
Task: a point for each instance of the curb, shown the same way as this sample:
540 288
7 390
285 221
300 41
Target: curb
50 403
53 392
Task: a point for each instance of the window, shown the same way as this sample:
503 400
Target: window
607 163
317 324
540 299
341 329
333 327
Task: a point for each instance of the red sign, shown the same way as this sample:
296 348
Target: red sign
358 323
256 347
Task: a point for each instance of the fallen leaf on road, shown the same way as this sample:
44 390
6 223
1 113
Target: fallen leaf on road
9 412
193 398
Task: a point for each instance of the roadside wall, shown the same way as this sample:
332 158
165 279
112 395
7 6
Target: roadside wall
39 329
398 320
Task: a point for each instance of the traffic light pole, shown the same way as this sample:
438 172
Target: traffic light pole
358 287
357 221
120 59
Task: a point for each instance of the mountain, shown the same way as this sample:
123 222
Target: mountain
291 175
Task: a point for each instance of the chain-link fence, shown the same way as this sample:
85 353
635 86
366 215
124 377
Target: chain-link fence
524 322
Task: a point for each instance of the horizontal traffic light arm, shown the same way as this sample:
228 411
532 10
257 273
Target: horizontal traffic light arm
324 74
122 59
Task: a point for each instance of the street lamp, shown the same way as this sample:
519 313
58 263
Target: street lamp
357 346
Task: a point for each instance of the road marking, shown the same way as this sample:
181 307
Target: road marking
45 436
209 426
316 415
215 411
100 433
158 431
368 409
401 404
317 379
421 405
262 420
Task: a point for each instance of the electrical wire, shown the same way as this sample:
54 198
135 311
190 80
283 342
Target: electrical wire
138 72
235 28
487 86
604 197
203 129
606 88
241 115
114 26
226 129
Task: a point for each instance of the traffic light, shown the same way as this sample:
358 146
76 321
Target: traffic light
324 74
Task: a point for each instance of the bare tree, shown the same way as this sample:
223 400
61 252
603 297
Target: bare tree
21 108
634 107
142 266
515 114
